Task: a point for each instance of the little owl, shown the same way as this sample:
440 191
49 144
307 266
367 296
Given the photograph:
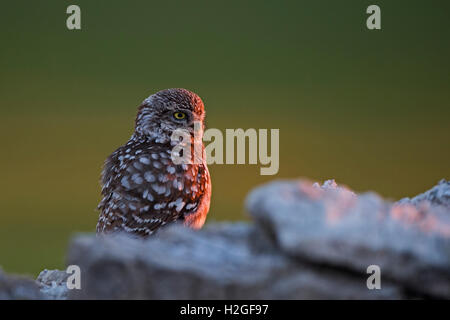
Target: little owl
142 187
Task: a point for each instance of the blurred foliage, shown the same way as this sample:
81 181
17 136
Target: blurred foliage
368 108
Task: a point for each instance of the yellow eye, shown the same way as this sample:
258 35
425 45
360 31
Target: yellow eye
179 115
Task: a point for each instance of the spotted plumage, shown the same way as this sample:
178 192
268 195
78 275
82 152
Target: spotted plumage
143 189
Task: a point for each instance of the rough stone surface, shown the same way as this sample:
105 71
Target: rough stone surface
438 195
306 241
18 288
52 284
223 261
330 225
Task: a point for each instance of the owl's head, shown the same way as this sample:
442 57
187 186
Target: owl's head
168 110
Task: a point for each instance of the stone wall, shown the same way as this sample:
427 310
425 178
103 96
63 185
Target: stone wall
305 241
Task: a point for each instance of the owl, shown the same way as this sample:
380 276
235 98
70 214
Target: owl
143 188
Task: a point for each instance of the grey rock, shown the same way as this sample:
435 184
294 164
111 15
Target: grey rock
18 288
438 195
222 261
53 284
307 241
332 226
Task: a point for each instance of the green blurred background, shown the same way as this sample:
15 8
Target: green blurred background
368 108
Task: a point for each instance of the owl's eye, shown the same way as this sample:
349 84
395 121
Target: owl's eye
179 115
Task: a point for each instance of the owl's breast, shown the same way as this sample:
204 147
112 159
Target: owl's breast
196 218
144 189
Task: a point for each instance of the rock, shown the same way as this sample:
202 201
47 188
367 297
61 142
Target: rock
438 195
329 225
52 284
18 288
307 241
222 261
